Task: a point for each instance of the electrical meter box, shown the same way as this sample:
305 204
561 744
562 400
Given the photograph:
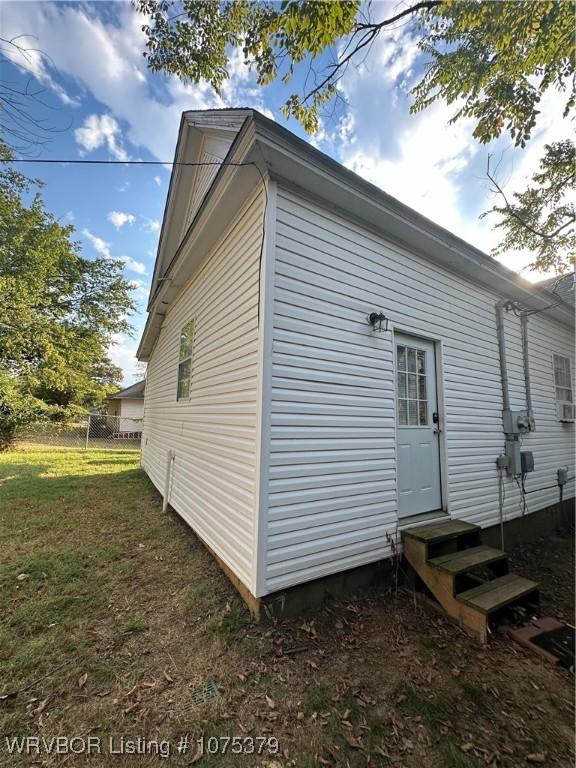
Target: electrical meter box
514 466
526 461
518 422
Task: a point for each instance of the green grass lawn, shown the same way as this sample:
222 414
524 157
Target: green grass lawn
111 614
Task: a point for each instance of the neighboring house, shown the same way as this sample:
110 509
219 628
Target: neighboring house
127 406
294 428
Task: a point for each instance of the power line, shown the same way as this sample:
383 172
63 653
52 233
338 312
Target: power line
122 162
52 161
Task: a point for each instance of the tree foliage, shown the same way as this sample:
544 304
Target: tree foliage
493 61
542 218
58 310
17 407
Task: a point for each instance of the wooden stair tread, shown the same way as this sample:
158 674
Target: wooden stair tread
498 593
466 559
451 529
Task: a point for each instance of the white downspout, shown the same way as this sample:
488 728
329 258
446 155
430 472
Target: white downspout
168 480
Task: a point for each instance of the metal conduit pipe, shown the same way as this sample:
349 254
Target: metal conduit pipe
502 352
524 325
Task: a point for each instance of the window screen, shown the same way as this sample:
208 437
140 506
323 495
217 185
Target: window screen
562 379
412 386
185 360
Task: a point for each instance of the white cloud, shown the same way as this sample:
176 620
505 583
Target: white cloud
25 55
101 131
99 244
158 180
122 352
103 248
436 168
140 289
153 225
135 266
424 173
120 218
120 81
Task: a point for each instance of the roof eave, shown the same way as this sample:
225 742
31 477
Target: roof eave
291 159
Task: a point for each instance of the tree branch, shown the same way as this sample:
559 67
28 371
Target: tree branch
519 219
371 31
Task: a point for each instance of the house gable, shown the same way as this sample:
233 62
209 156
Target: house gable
205 138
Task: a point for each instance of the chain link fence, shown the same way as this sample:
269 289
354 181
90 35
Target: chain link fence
89 432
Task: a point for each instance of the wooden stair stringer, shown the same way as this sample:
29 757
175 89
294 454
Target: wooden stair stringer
441 585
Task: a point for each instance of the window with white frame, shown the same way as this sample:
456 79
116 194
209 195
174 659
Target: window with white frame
563 379
185 360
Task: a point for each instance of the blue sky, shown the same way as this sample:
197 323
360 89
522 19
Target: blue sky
107 105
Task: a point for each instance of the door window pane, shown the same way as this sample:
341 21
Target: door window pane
422 388
423 413
401 358
421 361
412 391
402 392
403 412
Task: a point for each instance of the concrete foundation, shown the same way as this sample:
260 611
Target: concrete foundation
312 594
522 530
376 576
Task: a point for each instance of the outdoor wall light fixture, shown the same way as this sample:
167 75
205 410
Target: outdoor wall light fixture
378 321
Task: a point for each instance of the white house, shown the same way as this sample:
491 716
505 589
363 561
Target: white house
326 365
127 406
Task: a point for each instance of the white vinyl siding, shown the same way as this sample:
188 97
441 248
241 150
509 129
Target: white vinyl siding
212 153
213 433
332 494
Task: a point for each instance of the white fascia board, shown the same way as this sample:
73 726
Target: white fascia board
190 136
231 188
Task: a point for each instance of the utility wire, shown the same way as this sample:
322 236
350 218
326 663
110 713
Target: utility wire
224 163
52 161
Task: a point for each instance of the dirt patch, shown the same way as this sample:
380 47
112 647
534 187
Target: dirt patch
550 562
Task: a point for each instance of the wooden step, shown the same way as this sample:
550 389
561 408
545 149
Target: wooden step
437 532
500 592
467 559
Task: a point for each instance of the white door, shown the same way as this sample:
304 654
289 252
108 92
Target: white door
417 426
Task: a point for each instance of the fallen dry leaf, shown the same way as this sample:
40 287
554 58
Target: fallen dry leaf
271 703
536 758
82 680
41 707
